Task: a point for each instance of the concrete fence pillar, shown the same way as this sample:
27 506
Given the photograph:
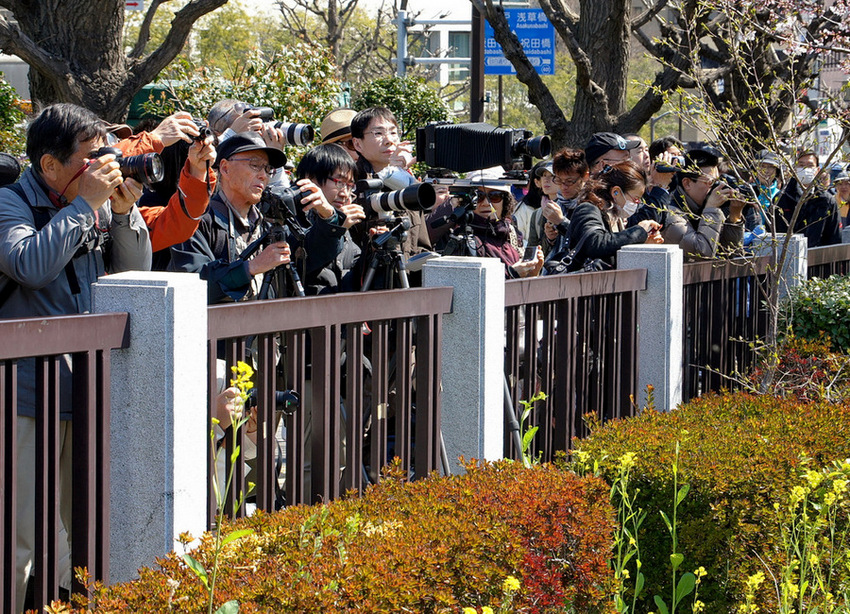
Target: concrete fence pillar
660 321
472 356
795 271
159 424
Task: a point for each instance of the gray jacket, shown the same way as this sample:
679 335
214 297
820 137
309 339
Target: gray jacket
36 260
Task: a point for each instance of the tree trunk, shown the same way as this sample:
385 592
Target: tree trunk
75 51
603 34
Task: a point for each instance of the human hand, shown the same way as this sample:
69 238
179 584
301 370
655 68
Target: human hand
273 136
312 198
530 268
99 180
403 155
552 212
269 258
550 231
201 153
125 196
176 127
227 404
718 196
249 121
354 214
659 178
653 231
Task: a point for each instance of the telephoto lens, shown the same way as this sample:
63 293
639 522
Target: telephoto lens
144 168
299 135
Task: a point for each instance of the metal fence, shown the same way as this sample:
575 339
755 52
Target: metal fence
573 337
44 347
830 260
724 316
369 388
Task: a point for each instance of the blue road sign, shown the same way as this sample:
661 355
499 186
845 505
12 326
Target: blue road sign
537 36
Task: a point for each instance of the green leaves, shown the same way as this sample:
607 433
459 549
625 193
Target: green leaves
231 607
234 535
411 100
199 570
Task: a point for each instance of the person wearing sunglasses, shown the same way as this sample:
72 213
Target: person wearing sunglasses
598 226
493 229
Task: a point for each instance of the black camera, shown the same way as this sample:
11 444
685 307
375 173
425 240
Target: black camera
743 190
299 135
391 239
467 147
265 113
676 163
144 168
204 130
417 197
283 204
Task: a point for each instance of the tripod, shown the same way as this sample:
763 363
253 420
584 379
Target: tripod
283 276
387 256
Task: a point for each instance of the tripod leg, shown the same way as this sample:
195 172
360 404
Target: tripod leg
510 417
370 274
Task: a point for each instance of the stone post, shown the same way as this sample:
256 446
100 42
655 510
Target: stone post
472 356
660 321
159 424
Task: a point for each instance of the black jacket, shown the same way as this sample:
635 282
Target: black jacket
818 219
600 241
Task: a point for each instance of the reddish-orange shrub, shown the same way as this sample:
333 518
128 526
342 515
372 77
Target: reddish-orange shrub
434 545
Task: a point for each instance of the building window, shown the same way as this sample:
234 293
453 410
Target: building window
459 47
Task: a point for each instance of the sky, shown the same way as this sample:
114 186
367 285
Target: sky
430 9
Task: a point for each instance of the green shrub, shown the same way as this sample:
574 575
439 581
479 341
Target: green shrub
434 545
411 100
821 306
739 453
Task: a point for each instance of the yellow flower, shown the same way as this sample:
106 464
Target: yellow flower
486 610
627 460
829 498
814 478
699 606
839 486
470 611
700 572
813 559
510 585
797 494
755 580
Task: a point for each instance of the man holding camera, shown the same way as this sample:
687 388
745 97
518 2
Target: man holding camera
70 214
381 154
693 219
234 222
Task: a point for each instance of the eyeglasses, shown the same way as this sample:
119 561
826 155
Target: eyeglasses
568 182
341 183
493 196
381 134
255 165
707 180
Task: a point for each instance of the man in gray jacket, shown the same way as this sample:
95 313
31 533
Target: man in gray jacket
70 215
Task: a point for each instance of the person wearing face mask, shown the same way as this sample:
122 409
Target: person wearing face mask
817 217
598 224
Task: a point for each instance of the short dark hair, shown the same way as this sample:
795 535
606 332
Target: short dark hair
659 146
361 121
58 130
808 152
625 175
320 163
568 160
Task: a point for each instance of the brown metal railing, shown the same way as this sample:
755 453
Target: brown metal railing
49 343
830 260
723 317
391 410
575 338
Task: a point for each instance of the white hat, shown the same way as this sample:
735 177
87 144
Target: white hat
492 178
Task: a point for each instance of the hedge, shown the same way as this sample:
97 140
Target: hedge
740 454
435 545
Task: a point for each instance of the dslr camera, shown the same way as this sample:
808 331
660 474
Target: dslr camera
283 205
416 197
299 135
144 168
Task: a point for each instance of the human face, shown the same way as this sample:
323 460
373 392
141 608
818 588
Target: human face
842 188
485 197
611 158
699 188
244 177
338 189
378 143
442 192
640 154
548 186
61 176
570 184
766 173
623 199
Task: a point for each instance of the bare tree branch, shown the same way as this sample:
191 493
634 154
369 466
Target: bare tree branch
145 30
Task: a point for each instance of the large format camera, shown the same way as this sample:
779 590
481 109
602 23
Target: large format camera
466 147
144 168
294 134
417 197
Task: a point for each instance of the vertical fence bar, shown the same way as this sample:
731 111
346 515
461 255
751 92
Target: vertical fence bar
84 545
8 488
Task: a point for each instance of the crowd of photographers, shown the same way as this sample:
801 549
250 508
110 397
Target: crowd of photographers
215 197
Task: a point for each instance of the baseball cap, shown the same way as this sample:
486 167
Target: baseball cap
546 166
603 142
249 141
768 157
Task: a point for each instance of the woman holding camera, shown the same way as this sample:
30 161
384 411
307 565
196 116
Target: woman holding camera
598 226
